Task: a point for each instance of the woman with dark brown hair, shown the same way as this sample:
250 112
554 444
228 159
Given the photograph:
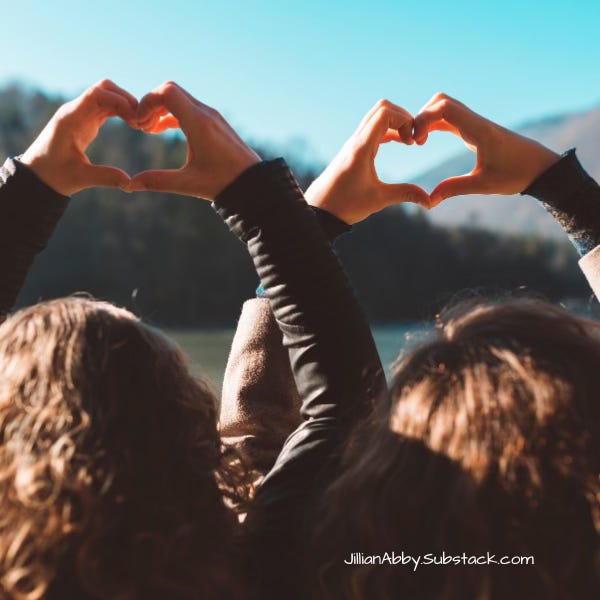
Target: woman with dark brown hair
111 463
488 448
498 438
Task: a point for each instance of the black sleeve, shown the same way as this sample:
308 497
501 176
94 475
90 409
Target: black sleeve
572 197
332 227
29 213
333 356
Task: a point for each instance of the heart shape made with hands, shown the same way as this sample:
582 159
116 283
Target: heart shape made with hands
215 153
506 162
387 122
58 155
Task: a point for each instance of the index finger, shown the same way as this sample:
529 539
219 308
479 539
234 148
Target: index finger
105 103
376 130
378 106
111 86
167 96
448 115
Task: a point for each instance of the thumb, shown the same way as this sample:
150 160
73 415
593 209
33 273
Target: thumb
461 185
395 193
101 176
169 181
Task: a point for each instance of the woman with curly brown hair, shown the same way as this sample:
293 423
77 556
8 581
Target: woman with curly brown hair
114 481
111 466
489 447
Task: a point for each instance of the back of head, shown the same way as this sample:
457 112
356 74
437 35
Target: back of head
490 443
110 461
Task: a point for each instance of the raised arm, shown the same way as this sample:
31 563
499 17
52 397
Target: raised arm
34 188
260 406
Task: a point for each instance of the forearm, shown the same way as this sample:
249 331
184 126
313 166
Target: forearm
332 228
260 406
29 213
333 356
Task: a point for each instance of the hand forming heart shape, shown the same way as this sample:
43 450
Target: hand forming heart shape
58 156
216 155
507 163
349 188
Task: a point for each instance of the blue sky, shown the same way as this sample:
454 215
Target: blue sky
309 70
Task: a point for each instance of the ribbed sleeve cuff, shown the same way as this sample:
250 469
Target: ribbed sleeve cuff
561 181
332 226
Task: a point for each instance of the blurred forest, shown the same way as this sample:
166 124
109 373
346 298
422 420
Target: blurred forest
172 261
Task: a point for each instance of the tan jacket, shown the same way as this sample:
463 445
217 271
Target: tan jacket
260 405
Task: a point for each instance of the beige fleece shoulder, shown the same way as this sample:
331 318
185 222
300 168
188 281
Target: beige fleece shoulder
260 405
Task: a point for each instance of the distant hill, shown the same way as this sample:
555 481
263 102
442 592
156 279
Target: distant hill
518 214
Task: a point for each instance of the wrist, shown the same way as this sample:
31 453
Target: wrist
246 163
332 226
45 171
542 159
320 198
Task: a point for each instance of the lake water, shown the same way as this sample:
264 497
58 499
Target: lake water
208 349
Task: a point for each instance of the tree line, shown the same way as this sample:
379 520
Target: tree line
172 260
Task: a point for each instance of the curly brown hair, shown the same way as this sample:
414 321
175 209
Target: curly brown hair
113 479
490 441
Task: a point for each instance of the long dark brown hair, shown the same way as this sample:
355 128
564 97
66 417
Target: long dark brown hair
113 480
490 441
